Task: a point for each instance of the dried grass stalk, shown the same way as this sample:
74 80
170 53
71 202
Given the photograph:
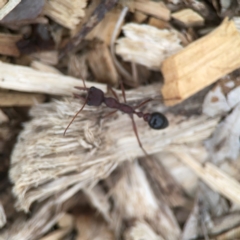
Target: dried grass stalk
44 162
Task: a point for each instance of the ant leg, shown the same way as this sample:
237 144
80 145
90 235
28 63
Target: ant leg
113 92
82 88
109 114
136 133
78 96
123 92
143 103
75 116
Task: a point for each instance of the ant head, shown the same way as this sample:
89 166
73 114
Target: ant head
157 121
95 97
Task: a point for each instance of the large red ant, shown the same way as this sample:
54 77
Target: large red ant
95 97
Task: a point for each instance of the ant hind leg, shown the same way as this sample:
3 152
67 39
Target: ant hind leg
137 136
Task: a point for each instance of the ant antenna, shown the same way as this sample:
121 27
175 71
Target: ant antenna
75 116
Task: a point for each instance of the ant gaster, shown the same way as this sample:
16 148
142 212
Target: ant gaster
95 97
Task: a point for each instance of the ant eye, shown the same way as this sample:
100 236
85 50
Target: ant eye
158 121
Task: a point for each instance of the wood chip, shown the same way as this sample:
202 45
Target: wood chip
104 29
8 44
3 117
147 45
67 13
158 23
214 177
48 57
26 79
156 9
139 17
189 18
9 99
37 65
201 63
2 3
101 64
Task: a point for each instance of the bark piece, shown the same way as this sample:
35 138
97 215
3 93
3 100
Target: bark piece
8 7
101 64
67 13
8 44
201 63
156 9
25 10
189 18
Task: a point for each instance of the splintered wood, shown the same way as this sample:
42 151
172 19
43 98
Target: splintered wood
189 18
93 180
101 31
201 63
157 9
101 63
147 45
67 13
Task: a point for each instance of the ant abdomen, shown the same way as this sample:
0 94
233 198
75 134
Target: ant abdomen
157 121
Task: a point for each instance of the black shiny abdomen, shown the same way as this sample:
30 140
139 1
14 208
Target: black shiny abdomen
158 121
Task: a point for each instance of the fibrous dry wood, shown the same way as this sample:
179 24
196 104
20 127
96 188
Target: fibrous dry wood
90 147
67 13
147 45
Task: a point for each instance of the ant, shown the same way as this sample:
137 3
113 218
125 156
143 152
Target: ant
95 97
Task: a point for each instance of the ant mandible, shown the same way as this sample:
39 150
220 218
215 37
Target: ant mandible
95 97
